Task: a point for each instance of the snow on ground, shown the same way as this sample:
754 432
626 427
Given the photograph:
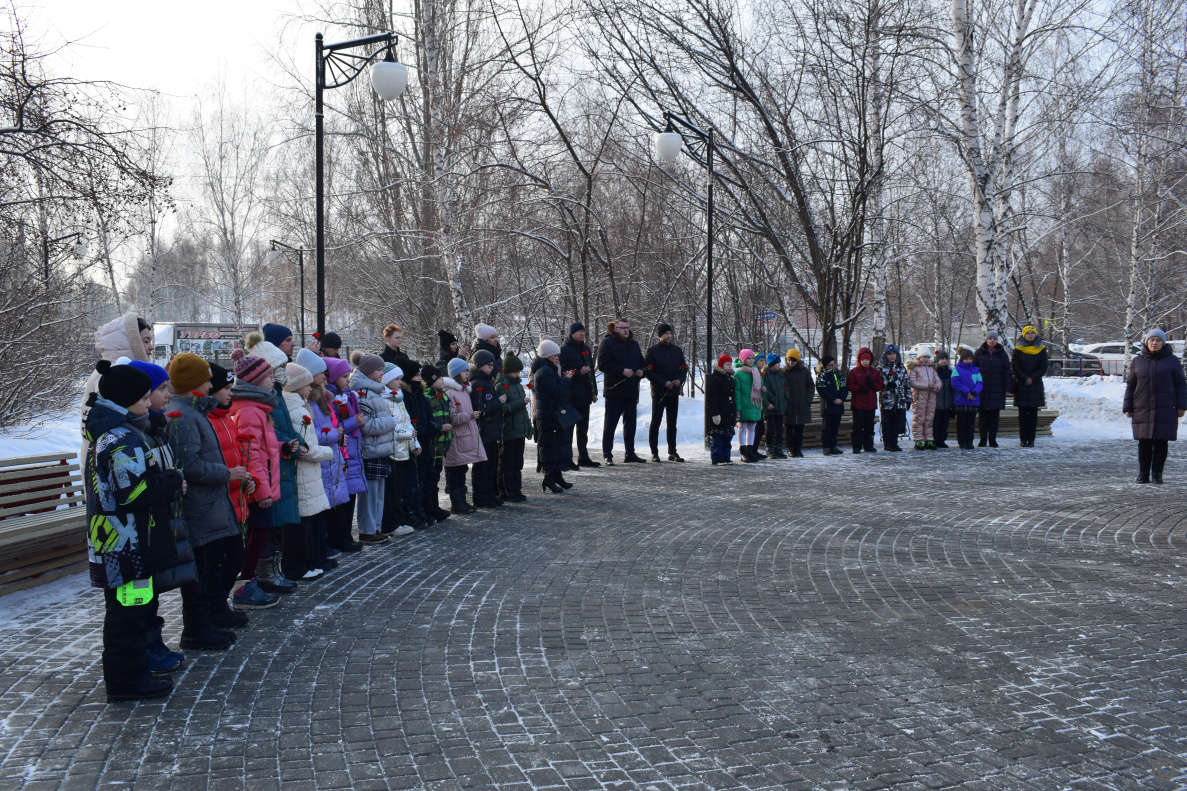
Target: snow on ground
58 432
1089 407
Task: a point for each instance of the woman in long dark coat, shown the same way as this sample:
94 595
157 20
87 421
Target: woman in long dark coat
551 404
994 364
1029 365
801 389
1155 399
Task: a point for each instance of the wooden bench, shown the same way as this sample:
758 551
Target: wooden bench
42 520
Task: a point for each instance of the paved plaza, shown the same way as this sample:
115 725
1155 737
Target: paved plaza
992 620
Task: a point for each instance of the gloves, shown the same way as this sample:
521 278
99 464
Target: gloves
717 420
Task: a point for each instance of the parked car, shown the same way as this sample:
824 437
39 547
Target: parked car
1111 355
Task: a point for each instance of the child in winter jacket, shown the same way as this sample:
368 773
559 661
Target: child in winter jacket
465 447
299 550
896 398
966 386
517 427
925 384
749 400
403 488
345 404
775 404
426 429
126 543
830 384
488 405
720 405
438 401
864 382
333 472
378 429
944 400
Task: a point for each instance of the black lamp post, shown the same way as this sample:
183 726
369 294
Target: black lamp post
668 145
278 250
388 78
79 249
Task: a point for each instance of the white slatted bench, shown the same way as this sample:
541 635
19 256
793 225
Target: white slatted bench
42 520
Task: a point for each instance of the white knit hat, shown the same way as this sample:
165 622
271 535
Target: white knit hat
392 375
548 348
255 345
310 361
484 332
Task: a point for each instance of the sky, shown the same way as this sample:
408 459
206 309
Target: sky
173 47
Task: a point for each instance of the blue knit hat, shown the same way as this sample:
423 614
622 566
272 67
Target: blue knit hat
457 365
889 348
311 362
156 373
772 359
277 334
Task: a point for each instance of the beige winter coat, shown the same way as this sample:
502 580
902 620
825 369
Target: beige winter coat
405 432
311 491
115 339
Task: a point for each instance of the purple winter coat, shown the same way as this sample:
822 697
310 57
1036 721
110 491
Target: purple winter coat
356 481
1154 390
333 473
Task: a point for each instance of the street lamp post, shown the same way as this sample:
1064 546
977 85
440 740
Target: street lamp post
388 78
278 250
668 145
79 249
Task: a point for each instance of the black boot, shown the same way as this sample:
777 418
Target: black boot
199 634
559 478
549 484
270 580
458 504
586 461
151 687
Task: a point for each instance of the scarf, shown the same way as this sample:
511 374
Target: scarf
1038 347
250 392
755 384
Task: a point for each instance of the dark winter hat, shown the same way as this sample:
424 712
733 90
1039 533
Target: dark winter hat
331 340
219 378
429 374
512 363
482 357
889 348
122 384
277 334
941 354
661 329
993 334
411 369
187 372
576 327
366 363
826 359
446 337
156 373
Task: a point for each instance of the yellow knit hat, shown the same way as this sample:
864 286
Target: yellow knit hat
187 372
793 354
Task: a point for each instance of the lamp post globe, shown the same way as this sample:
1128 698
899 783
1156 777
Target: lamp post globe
80 250
668 146
389 78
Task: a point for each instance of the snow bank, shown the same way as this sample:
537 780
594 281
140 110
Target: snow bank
54 433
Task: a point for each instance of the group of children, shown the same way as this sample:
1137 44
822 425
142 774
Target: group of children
234 486
755 395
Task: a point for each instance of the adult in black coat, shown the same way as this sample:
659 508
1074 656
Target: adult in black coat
550 406
722 408
488 407
1155 400
994 363
393 336
1029 365
801 391
449 348
621 363
488 341
666 371
577 357
427 430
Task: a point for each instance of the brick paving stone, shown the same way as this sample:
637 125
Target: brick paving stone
991 620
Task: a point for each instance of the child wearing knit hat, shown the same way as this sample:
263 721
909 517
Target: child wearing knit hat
721 408
300 542
378 427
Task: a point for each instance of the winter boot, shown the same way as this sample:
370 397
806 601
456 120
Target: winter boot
756 453
1156 471
930 445
559 479
199 634
837 451
586 461
151 687
920 445
270 580
458 504
780 453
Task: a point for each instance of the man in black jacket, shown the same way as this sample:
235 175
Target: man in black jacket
583 391
667 371
621 363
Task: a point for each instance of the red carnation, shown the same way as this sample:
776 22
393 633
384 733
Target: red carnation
305 420
506 387
528 385
585 354
175 414
325 430
479 389
317 334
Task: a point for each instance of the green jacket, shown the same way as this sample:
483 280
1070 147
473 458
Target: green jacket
747 411
774 396
439 410
517 418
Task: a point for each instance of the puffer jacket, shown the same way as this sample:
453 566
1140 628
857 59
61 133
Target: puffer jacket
333 472
346 408
438 403
996 374
1154 392
379 438
720 400
466 447
251 409
748 411
486 406
517 418
311 493
206 507
285 511
865 384
115 339
123 492
404 433
1029 362
925 382
896 392
180 569
774 394
830 384
945 395
234 451
800 392
967 385
422 418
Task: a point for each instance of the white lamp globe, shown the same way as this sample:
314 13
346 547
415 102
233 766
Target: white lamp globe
668 146
389 79
80 250
273 257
